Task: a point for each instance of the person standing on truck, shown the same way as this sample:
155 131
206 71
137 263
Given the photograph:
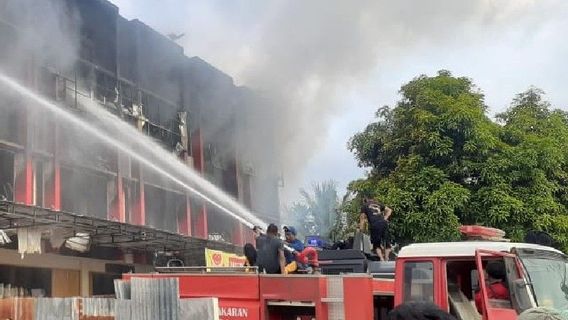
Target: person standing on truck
377 216
294 243
496 276
270 252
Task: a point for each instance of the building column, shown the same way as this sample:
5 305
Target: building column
52 198
117 209
138 215
201 230
24 179
184 215
53 187
238 235
23 163
184 222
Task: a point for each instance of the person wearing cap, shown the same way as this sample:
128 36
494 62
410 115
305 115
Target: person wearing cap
294 243
496 277
270 254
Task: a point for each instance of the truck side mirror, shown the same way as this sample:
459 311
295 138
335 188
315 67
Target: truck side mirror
521 294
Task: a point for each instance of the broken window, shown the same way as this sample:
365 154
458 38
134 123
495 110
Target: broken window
11 116
84 192
6 175
105 87
83 150
220 225
36 281
163 207
43 132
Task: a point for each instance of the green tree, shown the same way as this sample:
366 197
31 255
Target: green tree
316 213
439 161
532 172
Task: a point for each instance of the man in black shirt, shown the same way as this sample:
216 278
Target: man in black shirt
260 238
377 216
270 256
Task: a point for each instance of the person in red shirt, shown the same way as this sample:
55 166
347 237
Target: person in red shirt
496 277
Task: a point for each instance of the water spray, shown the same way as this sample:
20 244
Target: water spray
70 117
166 159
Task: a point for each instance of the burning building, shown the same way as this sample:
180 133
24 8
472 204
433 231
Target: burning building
93 210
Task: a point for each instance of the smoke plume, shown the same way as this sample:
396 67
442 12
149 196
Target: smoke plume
43 32
304 57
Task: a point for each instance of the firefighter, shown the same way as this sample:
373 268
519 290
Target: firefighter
377 216
294 243
270 254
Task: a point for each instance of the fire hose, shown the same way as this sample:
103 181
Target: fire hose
308 256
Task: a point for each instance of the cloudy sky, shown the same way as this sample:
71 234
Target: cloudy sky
334 62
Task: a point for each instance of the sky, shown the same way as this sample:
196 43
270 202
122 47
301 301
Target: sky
334 63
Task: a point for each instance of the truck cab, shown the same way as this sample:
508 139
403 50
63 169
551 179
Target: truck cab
451 274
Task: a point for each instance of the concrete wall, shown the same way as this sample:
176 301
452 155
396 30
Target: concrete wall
51 261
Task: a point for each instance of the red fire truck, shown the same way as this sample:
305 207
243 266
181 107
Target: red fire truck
447 274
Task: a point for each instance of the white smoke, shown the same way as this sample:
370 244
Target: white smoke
306 55
44 33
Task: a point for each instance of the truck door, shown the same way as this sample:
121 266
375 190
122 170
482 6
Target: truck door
495 309
416 280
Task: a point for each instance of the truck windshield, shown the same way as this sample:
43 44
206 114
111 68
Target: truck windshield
548 276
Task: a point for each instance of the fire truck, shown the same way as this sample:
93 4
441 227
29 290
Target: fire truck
446 274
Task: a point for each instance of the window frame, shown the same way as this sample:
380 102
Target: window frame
405 267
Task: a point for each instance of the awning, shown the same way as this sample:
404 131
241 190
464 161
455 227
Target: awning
104 233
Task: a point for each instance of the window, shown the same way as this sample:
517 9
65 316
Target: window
6 175
419 281
548 279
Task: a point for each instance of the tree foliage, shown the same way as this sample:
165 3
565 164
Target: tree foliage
317 212
439 161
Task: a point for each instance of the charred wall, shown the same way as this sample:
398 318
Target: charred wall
98 33
87 47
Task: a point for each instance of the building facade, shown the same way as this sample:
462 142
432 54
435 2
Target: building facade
69 50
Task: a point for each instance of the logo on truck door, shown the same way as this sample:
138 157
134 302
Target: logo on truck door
233 313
